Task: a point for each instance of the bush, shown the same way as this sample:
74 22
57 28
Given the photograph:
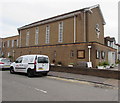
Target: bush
10 57
100 64
71 63
103 63
118 62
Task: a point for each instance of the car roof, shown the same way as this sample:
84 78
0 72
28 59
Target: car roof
3 58
34 55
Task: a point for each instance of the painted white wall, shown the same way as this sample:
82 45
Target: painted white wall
111 57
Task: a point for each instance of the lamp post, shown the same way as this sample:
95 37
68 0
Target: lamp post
89 47
89 63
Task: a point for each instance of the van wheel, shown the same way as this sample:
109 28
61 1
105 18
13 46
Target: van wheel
12 70
30 73
45 74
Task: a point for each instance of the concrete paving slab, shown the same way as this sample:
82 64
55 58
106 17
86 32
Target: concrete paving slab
94 79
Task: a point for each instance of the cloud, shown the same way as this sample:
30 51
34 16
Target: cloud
19 13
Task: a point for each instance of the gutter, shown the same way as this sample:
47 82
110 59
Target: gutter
50 20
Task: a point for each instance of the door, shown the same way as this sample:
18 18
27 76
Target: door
25 62
111 57
42 64
18 64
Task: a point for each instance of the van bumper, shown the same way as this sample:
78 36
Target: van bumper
40 72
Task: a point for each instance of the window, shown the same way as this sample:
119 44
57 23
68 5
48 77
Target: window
12 43
47 39
8 43
36 35
42 60
97 29
71 53
3 44
97 54
109 44
13 52
27 38
60 34
8 54
25 60
19 60
31 59
5 60
81 54
102 54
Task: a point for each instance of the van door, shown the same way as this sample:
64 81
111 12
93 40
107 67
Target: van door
18 64
25 64
42 64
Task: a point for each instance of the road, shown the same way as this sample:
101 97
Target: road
18 87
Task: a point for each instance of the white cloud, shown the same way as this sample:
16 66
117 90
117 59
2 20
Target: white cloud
17 13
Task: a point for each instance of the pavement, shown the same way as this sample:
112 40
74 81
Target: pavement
115 68
86 78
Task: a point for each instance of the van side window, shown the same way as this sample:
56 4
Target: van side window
42 60
31 59
25 60
19 60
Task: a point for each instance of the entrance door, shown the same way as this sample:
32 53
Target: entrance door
111 57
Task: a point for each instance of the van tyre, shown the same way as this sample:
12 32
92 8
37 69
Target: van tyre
12 70
45 74
30 73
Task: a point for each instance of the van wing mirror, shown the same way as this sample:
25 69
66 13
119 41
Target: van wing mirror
16 61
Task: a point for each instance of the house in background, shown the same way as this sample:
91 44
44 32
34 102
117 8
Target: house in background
9 45
112 55
111 42
118 52
73 37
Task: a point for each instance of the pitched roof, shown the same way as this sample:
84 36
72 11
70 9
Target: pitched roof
111 39
63 16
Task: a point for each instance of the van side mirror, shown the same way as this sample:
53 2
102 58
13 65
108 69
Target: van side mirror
16 61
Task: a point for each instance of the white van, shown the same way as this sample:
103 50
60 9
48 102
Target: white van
31 64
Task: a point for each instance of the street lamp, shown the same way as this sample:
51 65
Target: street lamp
89 63
89 47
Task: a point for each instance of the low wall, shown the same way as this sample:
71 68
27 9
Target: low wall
88 71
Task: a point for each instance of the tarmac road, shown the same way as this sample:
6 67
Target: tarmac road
18 87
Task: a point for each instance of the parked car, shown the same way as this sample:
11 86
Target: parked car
5 63
31 64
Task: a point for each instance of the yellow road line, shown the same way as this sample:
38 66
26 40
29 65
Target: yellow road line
69 80
81 82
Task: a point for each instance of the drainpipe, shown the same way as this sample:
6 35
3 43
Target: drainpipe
74 28
84 25
19 38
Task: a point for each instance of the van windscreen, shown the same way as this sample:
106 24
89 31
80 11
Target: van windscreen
42 60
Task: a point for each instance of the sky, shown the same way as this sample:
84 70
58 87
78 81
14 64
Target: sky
17 13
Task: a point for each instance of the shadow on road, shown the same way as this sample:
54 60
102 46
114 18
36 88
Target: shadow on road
24 74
